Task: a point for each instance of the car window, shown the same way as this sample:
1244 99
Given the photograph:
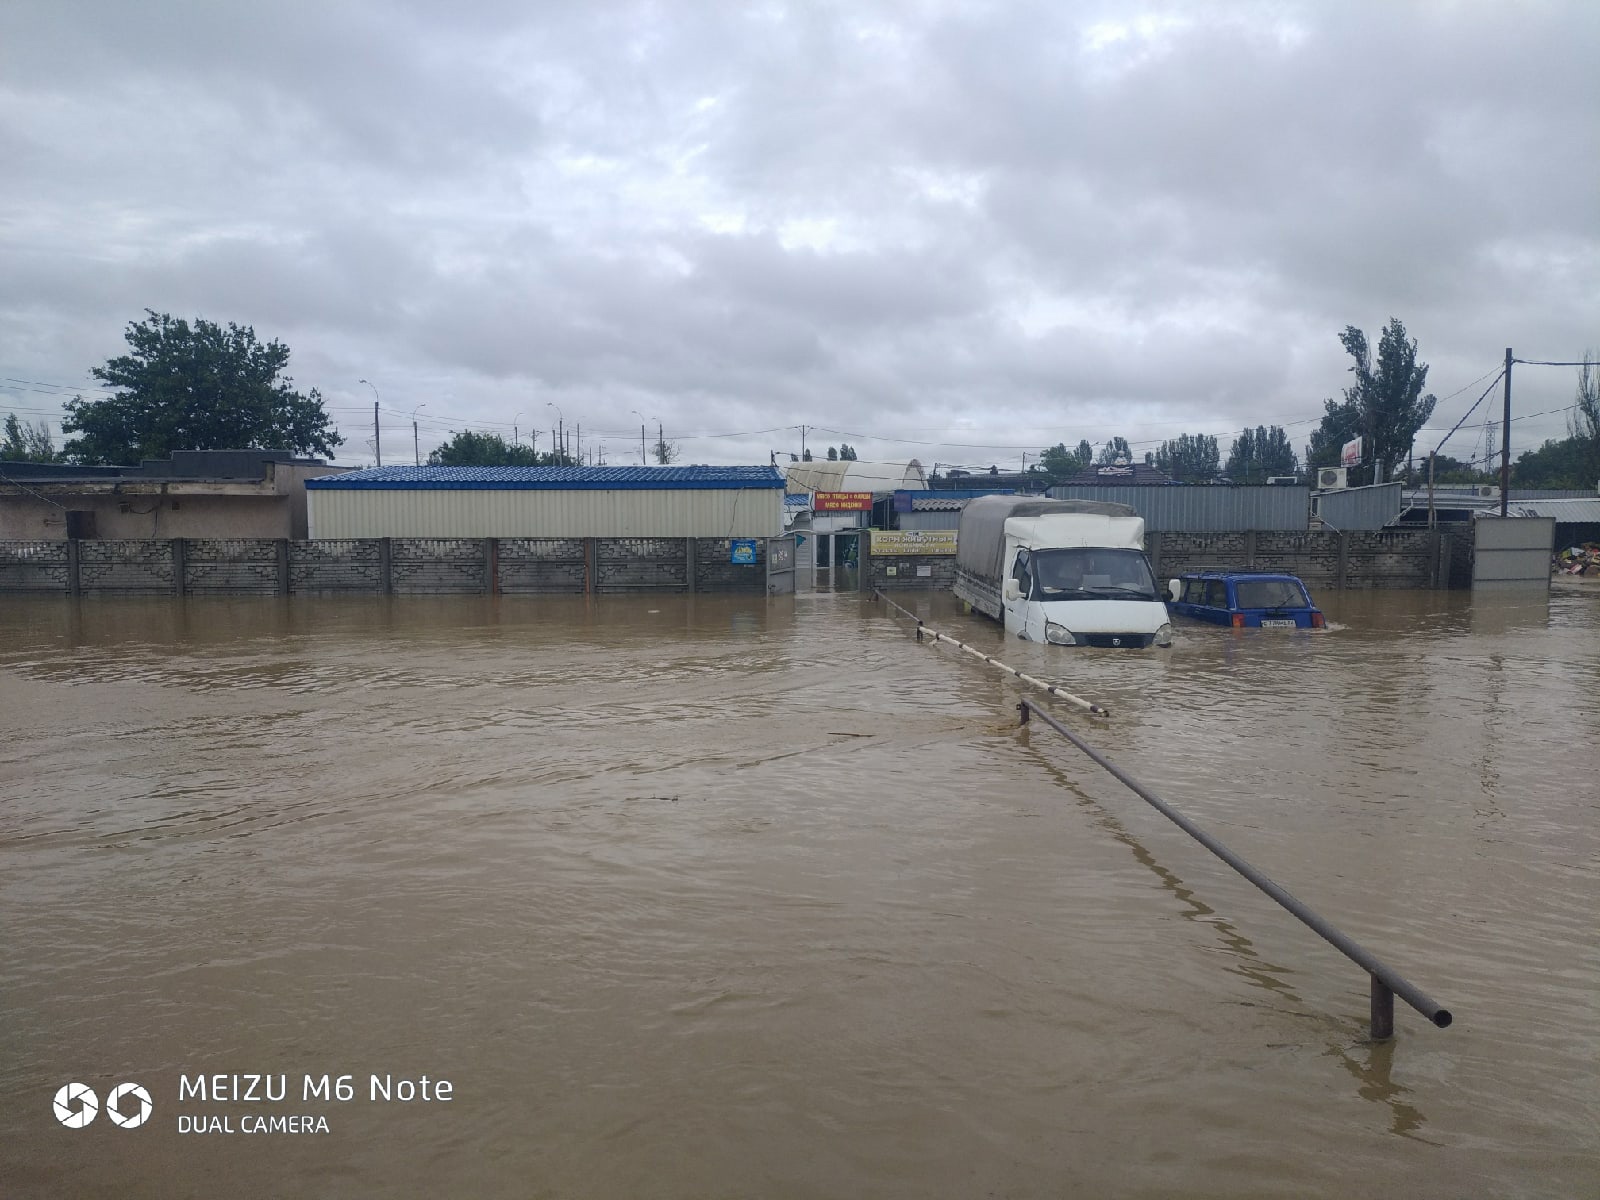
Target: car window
1269 593
1216 593
1194 591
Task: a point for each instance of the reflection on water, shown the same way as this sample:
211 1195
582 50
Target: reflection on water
699 895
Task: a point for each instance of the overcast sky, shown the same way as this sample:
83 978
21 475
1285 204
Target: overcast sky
953 231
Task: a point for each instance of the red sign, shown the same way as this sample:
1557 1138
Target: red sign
842 502
1350 455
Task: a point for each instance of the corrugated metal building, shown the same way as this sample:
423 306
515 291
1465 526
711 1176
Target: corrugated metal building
1186 509
852 475
548 502
1371 507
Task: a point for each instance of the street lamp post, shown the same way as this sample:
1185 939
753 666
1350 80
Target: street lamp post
416 446
377 443
515 440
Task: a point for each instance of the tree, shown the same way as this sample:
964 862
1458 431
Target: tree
1562 464
1060 463
469 449
1191 458
833 455
1453 470
1114 449
196 387
1384 406
667 452
1584 422
847 453
26 442
1260 453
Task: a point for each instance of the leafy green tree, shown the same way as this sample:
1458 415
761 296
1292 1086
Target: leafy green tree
847 453
1385 406
1191 458
1452 470
1114 449
26 442
468 449
1258 454
196 387
833 455
1563 464
1060 463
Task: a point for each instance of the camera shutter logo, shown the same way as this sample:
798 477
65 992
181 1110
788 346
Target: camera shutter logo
118 1112
76 1105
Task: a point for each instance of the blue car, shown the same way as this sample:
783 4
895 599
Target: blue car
1245 600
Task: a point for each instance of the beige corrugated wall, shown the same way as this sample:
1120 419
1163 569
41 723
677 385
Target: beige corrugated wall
667 512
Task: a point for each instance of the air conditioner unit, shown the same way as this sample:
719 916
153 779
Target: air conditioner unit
1486 491
1332 477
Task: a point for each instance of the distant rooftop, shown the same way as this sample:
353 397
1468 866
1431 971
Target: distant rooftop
550 479
181 464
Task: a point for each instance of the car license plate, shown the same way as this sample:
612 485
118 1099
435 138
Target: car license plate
1266 624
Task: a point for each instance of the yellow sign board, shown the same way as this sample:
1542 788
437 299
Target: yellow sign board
913 541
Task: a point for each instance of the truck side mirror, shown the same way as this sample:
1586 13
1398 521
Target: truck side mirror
1012 589
1175 589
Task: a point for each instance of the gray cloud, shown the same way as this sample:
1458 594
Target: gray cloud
964 225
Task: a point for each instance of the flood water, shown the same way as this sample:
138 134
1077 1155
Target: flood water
723 897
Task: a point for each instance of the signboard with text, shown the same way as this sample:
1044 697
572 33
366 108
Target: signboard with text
743 551
842 501
1350 455
913 541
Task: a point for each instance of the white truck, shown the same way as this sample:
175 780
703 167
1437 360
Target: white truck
1066 572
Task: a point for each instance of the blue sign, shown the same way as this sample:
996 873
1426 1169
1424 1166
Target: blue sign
744 552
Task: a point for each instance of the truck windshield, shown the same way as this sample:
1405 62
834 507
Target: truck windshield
1091 573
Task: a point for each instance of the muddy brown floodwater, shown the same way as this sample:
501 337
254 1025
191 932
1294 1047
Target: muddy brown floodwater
715 897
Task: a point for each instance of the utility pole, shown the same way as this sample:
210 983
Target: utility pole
377 444
1505 441
416 446
661 443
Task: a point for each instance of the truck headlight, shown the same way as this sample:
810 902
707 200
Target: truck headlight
1164 635
1058 635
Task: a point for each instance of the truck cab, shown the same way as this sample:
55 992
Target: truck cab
1084 596
1061 572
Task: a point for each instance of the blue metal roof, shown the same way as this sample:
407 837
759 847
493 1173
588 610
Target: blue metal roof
551 479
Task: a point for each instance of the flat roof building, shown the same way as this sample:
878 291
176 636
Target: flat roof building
549 502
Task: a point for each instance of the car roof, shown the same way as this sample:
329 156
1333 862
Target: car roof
1239 575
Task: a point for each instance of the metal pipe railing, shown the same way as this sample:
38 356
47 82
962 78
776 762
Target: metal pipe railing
1088 706
1386 982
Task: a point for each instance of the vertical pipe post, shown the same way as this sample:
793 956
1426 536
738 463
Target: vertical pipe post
491 565
691 564
74 568
1382 1011
1505 441
386 566
283 566
179 550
